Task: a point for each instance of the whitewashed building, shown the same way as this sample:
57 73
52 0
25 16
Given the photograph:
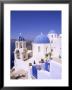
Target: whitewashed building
41 46
20 51
55 43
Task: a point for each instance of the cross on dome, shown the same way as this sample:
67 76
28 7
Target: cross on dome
41 39
20 34
41 33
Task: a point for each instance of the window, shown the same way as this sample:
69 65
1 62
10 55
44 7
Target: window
52 36
46 50
52 41
51 50
38 48
24 56
55 35
24 53
20 44
17 54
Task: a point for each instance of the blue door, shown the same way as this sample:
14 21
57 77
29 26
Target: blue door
34 71
47 66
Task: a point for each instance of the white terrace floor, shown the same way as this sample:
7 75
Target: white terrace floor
55 69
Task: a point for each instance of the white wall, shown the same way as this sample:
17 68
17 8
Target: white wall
56 46
42 52
52 38
17 44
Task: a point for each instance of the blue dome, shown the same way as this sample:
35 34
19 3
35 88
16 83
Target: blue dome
21 38
41 39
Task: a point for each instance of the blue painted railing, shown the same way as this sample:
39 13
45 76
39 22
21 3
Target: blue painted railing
46 67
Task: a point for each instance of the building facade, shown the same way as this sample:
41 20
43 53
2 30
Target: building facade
20 51
55 43
40 46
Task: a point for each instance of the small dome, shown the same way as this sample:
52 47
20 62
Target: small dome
41 39
21 38
52 32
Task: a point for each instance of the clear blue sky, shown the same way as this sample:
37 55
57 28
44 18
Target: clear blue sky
32 23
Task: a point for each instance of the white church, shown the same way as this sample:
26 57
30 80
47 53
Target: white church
41 46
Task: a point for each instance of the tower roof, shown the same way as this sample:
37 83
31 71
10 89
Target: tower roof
21 38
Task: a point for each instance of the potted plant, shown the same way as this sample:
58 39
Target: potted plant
46 56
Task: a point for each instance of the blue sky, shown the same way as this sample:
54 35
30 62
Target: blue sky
32 23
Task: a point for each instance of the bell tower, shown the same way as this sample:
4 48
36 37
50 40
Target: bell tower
20 51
